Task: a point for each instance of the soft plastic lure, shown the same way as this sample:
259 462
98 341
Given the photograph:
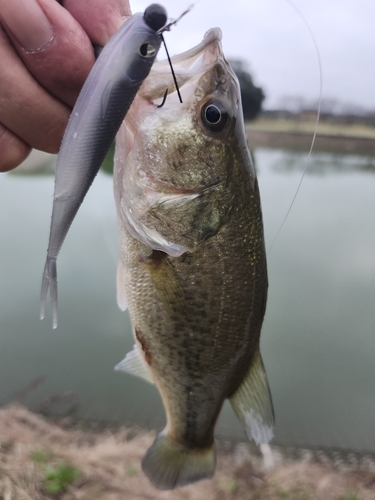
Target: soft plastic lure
106 96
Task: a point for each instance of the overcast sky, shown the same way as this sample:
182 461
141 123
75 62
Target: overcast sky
275 42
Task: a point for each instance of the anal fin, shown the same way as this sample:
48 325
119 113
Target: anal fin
252 403
134 364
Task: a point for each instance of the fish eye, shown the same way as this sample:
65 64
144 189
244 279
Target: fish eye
147 50
214 116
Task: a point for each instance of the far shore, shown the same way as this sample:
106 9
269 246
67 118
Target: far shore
297 134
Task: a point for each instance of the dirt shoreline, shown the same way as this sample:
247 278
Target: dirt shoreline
300 141
40 460
297 134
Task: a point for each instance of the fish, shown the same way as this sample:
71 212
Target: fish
102 104
192 268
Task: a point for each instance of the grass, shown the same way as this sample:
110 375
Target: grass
132 470
41 456
350 496
73 464
57 479
292 494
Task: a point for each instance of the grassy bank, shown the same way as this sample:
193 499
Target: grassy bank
296 133
42 460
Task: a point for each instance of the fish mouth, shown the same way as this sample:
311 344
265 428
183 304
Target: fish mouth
197 56
188 67
201 72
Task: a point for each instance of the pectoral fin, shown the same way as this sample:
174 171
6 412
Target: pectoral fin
252 403
122 300
134 364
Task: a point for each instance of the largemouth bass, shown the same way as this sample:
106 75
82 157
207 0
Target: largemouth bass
192 265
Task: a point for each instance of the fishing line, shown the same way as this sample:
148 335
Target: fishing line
173 22
172 70
167 27
304 20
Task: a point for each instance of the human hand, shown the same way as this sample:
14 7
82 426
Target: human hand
45 56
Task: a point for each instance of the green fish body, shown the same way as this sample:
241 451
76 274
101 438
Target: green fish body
192 268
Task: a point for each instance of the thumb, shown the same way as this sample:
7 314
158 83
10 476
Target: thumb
99 18
51 43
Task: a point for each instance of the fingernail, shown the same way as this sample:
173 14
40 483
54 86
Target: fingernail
28 24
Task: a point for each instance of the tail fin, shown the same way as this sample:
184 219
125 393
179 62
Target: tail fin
49 282
169 465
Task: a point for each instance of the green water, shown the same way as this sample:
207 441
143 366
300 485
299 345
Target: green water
318 339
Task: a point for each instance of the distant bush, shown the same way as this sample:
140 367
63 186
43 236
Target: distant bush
252 96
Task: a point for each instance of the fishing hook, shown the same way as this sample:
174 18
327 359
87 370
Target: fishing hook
164 99
167 27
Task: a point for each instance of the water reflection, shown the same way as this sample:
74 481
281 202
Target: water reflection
323 163
318 342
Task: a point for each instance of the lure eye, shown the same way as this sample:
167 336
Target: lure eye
147 50
214 116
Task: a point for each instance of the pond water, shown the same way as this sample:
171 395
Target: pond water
318 339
